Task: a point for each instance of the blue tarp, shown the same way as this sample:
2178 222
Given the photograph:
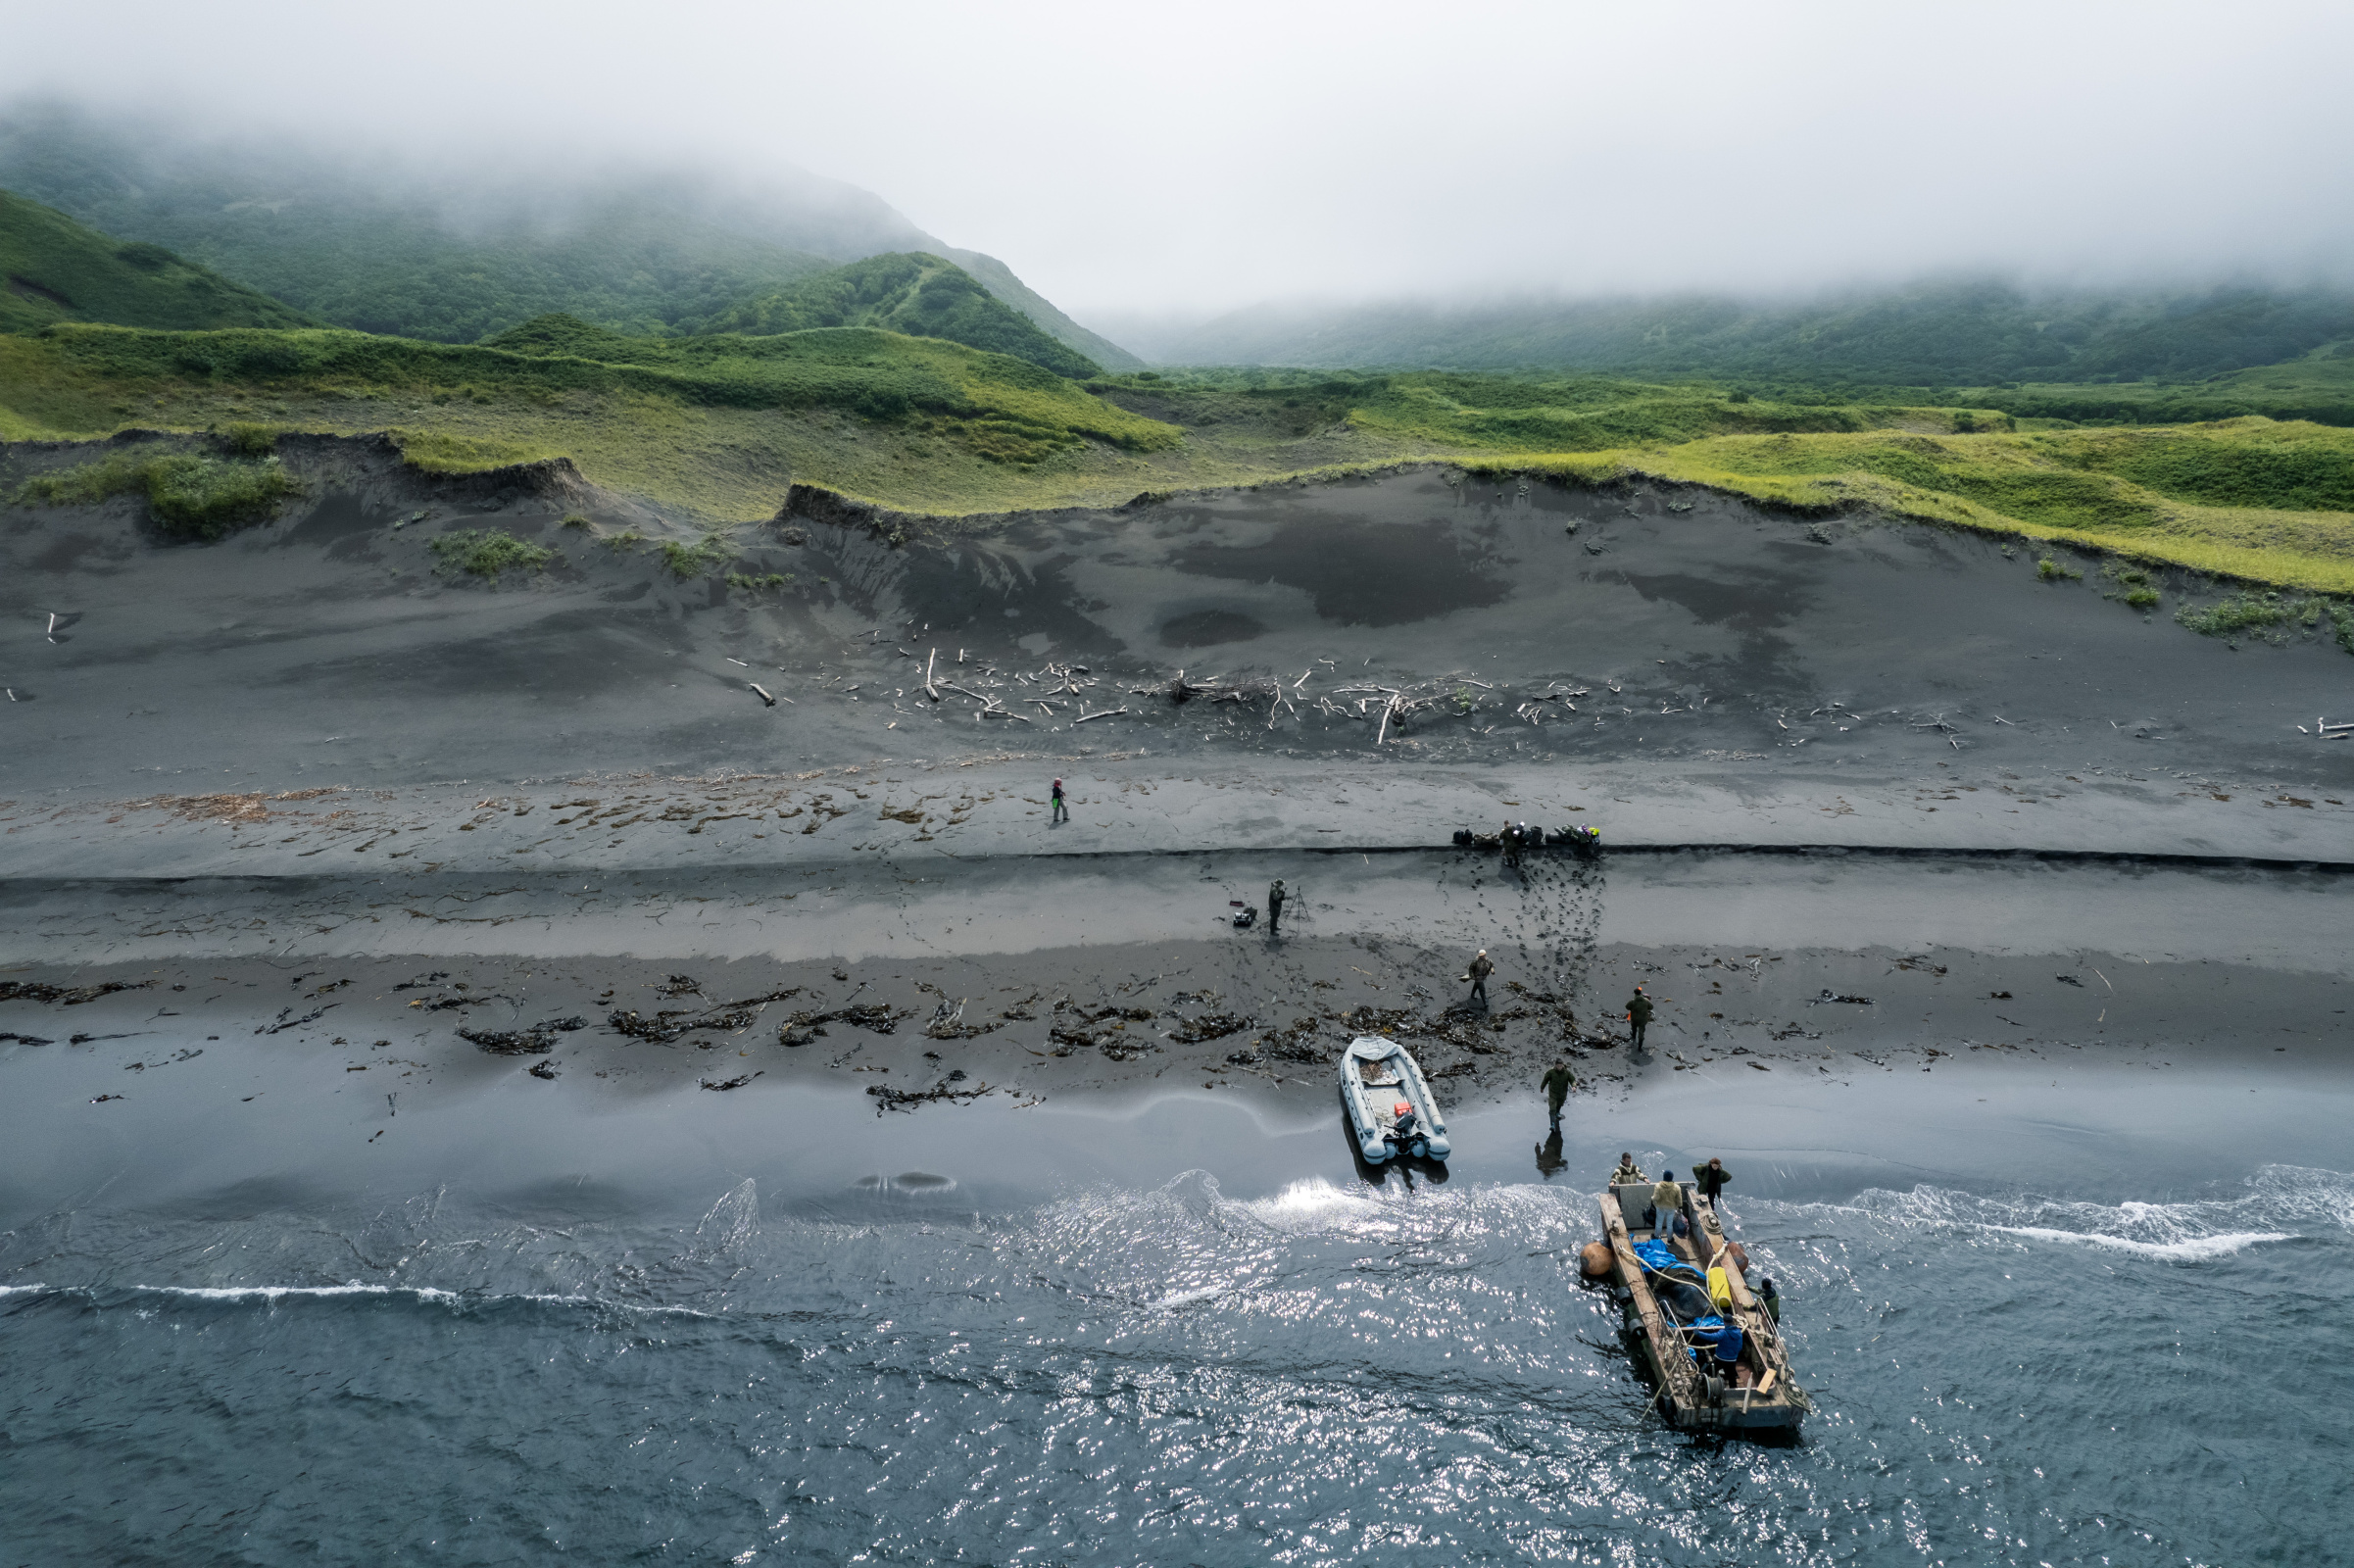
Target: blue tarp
1657 1256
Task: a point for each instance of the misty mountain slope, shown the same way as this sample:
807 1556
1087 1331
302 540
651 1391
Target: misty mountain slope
914 293
998 279
59 270
1937 334
453 252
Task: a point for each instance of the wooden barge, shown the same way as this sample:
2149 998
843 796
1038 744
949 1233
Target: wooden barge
1762 1397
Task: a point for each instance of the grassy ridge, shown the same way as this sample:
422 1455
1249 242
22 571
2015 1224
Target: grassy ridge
55 269
919 295
718 426
2139 495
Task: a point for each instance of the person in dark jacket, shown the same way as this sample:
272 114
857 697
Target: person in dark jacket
1275 897
1639 1015
1062 809
1557 1082
1482 966
1711 1179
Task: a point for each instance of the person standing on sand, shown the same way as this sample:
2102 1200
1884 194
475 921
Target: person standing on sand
1482 966
1639 1015
1275 897
1557 1082
1061 811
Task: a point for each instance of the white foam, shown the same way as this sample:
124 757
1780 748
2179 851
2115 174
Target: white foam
2192 1251
2188 1232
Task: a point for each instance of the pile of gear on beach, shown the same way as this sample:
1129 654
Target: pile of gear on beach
1516 839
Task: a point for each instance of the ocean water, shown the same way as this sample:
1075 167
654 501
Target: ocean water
1326 1375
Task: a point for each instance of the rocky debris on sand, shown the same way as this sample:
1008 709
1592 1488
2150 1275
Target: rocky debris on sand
1829 995
804 1027
670 1024
889 1099
71 996
543 1070
1209 1026
730 1083
1080 1031
1295 1043
536 1041
27 1039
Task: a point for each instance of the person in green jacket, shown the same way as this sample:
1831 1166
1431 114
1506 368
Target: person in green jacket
1557 1082
1639 1015
1711 1179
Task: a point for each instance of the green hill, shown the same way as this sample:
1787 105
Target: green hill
58 270
917 294
1940 335
461 250
718 426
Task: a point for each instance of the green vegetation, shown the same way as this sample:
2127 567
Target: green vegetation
2257 613
1943 335
55 269
714 429
488 551
759 580
693 561
2051 570
919 295
187 493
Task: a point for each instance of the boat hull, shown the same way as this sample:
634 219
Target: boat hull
1376 1073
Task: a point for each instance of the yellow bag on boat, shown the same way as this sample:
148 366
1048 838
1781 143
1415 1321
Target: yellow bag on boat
1720 1290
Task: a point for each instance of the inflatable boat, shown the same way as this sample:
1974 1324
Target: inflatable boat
1381 1087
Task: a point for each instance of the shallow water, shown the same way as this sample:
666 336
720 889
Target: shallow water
1323 1374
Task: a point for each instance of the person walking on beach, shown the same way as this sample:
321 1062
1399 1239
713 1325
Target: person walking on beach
1711 1179
1639 1015
1275 897
1557 1082
1061 811
1482 966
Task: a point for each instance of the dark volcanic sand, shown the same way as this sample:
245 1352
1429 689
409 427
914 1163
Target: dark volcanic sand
288 697
324 648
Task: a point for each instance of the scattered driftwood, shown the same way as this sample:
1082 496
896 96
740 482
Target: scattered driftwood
731 1083
71 996
1108 712
763 693
669 1025
804 1027
949 1024
890 1099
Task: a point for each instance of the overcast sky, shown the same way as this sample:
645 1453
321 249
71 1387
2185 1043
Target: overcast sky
1198 156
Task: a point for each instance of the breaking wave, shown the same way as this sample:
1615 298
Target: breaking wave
2280 1204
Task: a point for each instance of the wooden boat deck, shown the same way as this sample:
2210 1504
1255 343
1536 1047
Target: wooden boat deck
1688 1397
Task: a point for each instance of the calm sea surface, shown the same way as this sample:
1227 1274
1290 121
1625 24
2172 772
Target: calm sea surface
1163 1375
